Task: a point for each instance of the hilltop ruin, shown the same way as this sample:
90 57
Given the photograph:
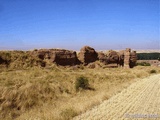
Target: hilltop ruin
125 58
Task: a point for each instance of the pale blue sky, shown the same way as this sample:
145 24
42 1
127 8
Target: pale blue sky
71 24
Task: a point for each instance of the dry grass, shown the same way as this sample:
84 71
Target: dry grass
49 93
142 98
18 60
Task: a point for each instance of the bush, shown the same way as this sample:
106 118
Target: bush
81 82
153 71
144 64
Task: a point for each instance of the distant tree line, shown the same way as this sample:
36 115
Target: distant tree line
148 56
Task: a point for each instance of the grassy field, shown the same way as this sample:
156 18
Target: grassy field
142 98
49 93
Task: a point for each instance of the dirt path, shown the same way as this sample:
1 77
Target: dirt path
139 101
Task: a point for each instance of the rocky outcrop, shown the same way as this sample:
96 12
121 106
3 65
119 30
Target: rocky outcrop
102 57
58 56
127 58
87 55
124 58
112 57
121 58
133 59
65 57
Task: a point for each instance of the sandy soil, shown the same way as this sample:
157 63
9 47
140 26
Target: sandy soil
141 101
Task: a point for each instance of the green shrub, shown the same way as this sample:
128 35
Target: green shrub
144 64
81 82
153 71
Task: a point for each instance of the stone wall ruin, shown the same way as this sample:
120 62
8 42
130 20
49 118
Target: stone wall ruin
124 58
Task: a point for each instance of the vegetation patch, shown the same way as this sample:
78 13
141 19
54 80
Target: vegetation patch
148 56
144 64
51 93
152 71
81 82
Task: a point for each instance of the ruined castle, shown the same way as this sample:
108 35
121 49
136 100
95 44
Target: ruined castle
125 58
86 55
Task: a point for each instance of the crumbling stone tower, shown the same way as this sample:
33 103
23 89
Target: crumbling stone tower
127 55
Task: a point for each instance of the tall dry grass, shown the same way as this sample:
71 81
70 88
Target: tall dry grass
49 93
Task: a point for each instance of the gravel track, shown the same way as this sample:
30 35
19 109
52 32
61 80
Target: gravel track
141 100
